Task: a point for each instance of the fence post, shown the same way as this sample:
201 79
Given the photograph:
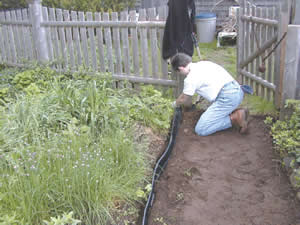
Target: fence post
39 31
284 16
291 80
297 13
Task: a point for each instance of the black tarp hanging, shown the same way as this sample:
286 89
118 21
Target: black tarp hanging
179 28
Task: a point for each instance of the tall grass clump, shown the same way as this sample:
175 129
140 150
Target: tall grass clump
68 146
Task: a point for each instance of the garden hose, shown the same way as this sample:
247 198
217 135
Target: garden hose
162 162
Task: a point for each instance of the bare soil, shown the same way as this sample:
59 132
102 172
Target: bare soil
224 179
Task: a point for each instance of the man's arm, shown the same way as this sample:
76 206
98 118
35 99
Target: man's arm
184 100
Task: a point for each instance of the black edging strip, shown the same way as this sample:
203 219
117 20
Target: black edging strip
162 162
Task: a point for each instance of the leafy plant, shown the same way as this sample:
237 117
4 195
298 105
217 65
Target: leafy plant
143 193
286 133
151 108
66 219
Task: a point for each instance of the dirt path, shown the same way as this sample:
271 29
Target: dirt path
223 179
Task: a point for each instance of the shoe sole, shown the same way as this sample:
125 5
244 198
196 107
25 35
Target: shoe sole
244 127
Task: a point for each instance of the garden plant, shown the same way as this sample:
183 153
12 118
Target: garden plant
68 151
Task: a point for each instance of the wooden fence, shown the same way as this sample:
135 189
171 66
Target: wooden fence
126 44
217 6
259 64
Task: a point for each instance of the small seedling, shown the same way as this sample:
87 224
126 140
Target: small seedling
160 220
179 196
188 172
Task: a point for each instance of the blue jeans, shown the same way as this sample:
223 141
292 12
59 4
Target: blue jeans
216 117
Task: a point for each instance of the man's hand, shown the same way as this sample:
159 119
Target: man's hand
184 100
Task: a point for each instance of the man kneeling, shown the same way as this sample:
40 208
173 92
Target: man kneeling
215 84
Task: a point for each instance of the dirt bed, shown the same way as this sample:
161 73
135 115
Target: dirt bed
224 179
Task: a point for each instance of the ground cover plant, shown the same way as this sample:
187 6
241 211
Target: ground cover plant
286 139
67 149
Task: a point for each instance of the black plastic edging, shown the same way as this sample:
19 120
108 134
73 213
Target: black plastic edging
162 162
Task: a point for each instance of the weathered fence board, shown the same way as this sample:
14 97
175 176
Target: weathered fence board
56 50
270 60
247 38
12 45
263 39
48 33
162 15
144 44
117 44
108 43
16 34
252 44
125 44
77 49
69 40
153 43
62 38
257 36
91 33
84 40
135 45
99 34
6 38
28 34
3 39
2 57
241 38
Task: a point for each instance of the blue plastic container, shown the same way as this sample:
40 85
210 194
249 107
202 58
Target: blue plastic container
206 26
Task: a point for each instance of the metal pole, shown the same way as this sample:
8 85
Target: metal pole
39 31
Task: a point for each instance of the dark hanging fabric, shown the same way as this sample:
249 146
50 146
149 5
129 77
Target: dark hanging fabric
179 28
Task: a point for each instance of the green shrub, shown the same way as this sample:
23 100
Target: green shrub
286 133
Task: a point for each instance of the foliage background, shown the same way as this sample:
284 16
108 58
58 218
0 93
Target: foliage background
77 5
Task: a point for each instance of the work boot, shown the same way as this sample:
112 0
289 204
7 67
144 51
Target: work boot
239 118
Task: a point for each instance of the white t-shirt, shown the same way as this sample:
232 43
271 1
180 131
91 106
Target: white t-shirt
206 79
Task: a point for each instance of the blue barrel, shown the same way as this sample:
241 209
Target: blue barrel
206 26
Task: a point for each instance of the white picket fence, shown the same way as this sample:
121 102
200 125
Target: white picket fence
126 44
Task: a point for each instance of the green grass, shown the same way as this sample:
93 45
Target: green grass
225 56
68 145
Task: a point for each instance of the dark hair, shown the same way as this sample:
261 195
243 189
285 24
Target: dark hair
180 59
